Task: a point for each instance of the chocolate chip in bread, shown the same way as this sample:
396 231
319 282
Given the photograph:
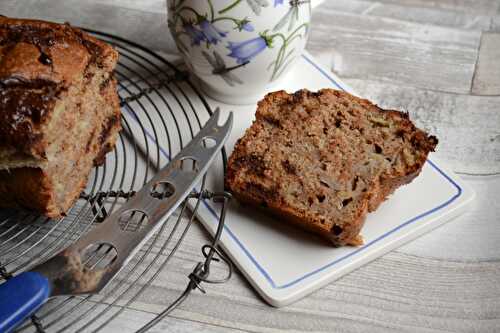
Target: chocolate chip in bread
59 112
324 160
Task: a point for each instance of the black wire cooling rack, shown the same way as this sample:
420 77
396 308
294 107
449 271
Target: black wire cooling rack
161 112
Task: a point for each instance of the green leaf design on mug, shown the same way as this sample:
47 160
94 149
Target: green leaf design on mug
284 57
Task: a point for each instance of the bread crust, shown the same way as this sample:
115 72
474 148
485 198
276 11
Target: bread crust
31 188
266 162
59 109
38 62
23 187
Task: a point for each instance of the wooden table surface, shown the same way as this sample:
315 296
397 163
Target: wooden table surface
438 60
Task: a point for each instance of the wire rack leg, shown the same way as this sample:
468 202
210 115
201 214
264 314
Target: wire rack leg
202 270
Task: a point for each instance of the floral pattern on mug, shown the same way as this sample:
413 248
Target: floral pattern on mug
244 25
285 56
292 15
255 5
212 34
203 27
194 33
219 68
246 50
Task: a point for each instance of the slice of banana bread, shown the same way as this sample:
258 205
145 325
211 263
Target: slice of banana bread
59 112
324 160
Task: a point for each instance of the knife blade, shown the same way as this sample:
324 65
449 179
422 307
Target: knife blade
67 274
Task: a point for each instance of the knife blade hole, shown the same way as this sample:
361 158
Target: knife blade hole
133 220
189 164
98 256
162 190
208 142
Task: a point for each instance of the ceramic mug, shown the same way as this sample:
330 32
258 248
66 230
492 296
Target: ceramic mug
239 49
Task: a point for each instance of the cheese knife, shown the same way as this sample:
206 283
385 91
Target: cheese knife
66 272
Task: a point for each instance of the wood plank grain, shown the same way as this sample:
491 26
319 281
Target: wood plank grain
127 320
495 24
464 238
474 6
404 12
398 292
396 52
453 118
487 75
438 17
153 6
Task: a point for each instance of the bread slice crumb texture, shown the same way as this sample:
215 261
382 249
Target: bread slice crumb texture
324 160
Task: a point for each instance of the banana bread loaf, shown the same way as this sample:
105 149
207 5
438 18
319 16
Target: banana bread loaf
324 160
59 112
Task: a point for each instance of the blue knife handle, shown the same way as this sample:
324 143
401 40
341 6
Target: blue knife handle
20 297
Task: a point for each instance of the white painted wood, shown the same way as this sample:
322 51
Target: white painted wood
428 15
473 236
495 23
398 292
397 52
446 281
487 75
153 6
472 6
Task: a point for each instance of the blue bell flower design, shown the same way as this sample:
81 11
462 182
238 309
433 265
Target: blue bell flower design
244 25
247 27
212 34
246 50
196 35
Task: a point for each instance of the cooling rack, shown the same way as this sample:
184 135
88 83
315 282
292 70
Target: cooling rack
161 112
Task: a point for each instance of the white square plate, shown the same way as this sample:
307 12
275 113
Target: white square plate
284 263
